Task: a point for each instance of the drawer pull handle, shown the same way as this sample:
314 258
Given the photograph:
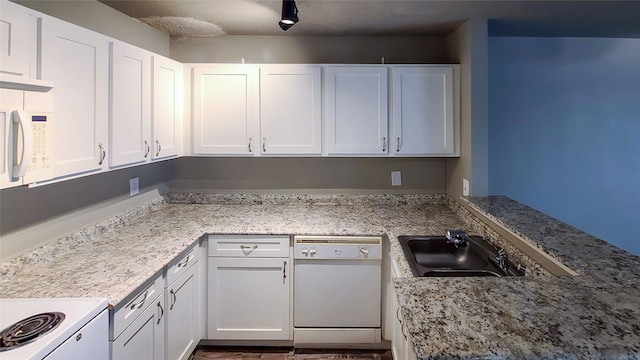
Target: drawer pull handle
161 312
185 262
159 148
173 299
248 248
79 337
284 271
139 305
103 153
147 149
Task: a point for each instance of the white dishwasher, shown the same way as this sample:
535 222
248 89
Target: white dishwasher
337 289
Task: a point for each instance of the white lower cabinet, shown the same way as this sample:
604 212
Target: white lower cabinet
249 297
400 344
182 299
138 327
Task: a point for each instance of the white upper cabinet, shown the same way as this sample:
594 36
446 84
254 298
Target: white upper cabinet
76 60
423 111
17 40
226 109
166 117
356 117
291 115
130 116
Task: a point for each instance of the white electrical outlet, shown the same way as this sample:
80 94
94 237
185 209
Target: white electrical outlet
465 187
134 186
396 178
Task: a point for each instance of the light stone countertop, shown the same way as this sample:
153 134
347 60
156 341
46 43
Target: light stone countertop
123 254
594 315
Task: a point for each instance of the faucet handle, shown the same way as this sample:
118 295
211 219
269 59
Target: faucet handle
456 234
457 237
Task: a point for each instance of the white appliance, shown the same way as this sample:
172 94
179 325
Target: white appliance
25 137
337 289
81 333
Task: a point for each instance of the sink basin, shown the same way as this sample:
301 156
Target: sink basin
435 256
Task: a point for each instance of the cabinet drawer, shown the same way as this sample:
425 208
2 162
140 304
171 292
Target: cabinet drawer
124 316
249 245
181 264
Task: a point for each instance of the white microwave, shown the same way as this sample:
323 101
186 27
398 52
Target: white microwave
25 137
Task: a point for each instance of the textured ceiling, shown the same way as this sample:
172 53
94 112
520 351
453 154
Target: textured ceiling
386 17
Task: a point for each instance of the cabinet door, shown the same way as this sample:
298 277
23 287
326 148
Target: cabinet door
225 109
423 111
166 117
144 338
290 113
400 345
249 299
357 119
76 60
17 39
130 116
182 323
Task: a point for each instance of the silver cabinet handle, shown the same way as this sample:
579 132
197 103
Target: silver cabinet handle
147 149
185 262
248 247
250 144
398 144
284 270
173 299
103 153
264 144
159 147
161 312
139 305
79 337
384 144
364 252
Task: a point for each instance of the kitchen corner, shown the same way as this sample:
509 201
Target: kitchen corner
594 314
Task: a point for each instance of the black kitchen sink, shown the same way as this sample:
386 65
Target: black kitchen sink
437 256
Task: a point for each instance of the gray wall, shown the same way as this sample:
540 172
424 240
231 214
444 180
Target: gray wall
299 175
310 49
23 206
100 18
468 47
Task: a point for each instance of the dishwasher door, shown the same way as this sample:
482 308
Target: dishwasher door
337 293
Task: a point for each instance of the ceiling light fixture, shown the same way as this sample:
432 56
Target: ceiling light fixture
289 14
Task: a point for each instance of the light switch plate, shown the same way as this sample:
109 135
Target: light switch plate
134 186
465 187
396 178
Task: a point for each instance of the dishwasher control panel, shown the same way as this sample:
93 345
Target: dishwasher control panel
337 247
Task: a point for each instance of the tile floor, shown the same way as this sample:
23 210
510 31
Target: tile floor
217 353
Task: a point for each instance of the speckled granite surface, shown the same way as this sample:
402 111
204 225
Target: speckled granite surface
592 316
595 315
110 260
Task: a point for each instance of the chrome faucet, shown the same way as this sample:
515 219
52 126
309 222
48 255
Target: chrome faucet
501 259
459 238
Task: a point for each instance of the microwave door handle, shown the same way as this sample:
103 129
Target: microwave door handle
21 118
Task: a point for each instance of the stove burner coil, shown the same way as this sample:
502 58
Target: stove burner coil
29 329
